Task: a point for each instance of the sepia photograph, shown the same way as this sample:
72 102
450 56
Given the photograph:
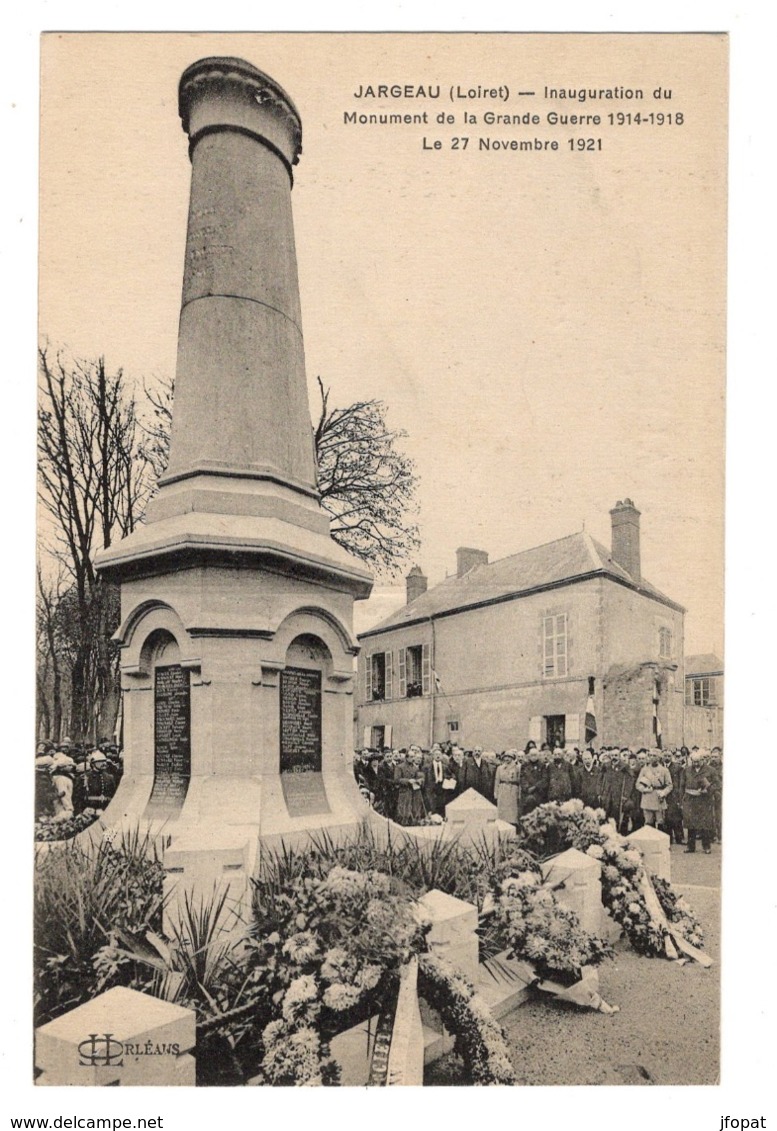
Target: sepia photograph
379 653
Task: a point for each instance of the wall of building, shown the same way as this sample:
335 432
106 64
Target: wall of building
490 663
703 726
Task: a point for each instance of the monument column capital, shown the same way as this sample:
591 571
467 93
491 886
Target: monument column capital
224 93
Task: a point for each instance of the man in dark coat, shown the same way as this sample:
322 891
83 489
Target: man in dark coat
589 782
673 818
477 774
611 785
632 817
100 782
559 778
575 768
435 773
698 812
534 782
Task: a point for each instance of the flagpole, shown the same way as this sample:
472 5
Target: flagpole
432 685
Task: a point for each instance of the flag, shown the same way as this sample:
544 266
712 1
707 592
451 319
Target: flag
590 719
656 724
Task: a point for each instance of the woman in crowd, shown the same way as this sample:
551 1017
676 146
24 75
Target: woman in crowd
507 782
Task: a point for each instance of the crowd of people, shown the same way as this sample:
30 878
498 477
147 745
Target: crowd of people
677 791
71 777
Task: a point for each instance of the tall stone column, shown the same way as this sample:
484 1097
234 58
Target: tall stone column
237 605
241 363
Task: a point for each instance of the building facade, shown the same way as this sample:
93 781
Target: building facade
564 643
704 701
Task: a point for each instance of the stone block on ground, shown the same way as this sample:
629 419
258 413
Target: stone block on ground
654 846
579 889
200 866
452 935
353 1052
122 1037
471 816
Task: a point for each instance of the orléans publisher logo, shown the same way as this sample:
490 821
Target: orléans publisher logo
101 1050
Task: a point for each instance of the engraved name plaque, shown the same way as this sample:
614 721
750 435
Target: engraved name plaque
300 691
303 785
172 740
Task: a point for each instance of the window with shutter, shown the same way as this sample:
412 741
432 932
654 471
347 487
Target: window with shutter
572 728
535 729
389 675
426 671
402 674
554 645
368 679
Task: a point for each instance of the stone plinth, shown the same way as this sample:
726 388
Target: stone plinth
205 864
581 890
654 846
122 1038
471 816
452 935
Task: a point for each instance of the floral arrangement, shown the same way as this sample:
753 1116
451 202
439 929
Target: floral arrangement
327 947
570 824
50 828
678 912
479 1039
535 928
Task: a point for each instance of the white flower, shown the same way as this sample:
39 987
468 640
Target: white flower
339 996
370 976
343 881
301 991
301 947
595 850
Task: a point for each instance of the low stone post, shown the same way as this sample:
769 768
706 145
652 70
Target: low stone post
654 846
581 887
452 936
120 1037
200 866
471 816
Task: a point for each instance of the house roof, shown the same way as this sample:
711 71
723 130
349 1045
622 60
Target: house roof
567 560
703 664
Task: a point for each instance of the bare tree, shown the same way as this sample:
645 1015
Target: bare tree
94 482
366 482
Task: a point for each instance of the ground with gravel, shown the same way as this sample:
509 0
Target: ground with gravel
667 1030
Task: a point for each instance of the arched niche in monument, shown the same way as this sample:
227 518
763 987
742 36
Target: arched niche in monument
161 658
156 667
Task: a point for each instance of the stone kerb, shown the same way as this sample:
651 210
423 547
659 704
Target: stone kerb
122 1037
580 890
654 846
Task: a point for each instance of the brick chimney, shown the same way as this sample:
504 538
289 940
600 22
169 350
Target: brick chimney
467 559
416 583
625 537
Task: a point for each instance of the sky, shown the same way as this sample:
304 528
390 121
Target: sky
548 328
